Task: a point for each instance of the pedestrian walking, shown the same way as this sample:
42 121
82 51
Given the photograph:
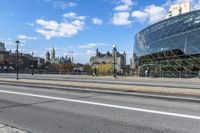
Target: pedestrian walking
95 72
146 73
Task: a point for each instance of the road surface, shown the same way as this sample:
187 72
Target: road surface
55 111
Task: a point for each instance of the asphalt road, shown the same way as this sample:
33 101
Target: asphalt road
74 78
55 111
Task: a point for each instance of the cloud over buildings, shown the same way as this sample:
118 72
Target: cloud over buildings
121 18
71 25
150 14
122 14
91 45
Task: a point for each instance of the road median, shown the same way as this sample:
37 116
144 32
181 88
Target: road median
106 86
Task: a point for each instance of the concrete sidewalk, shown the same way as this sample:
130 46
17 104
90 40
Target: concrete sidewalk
126 78
105 86
9 129
123 78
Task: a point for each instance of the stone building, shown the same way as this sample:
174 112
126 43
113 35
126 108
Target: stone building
120 59
51 58
2 47
8 61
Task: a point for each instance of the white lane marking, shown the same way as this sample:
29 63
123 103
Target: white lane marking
118 92
105 105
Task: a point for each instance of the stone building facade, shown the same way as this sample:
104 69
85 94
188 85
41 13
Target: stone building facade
120 59
2 47
51 58
8 61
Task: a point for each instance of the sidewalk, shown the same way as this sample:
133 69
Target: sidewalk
129 78
9 129
123 78
106 86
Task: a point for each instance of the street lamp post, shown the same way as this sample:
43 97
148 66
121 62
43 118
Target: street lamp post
32 66
114 69
17 60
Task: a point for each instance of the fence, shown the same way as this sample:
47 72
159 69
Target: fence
172 74
153 74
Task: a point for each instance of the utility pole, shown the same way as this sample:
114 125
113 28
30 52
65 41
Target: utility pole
17 60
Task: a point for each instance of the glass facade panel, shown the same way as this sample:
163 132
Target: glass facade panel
174 39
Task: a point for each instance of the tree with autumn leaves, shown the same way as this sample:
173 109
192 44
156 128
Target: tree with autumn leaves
64 68
104 69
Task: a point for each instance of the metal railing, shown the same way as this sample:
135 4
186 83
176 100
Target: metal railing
153 74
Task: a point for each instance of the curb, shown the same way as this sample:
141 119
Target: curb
112 92
114 87
120 82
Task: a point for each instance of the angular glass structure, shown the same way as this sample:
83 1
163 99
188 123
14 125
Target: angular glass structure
170 46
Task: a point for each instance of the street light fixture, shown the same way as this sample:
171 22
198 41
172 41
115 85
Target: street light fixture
114 69
17 60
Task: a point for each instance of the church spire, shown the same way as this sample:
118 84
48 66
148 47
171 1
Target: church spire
53 54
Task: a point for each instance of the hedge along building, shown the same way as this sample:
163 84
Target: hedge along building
170 47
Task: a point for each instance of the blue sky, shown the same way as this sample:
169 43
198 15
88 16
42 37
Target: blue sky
77 27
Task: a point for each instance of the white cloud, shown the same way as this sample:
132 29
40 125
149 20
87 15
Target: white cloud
196 6
69 15
10 44
91 45
141 16
121 18
72 25
195 3
90 52
97 21
155 13
48 34
73 15
64 5
24 38
151 14
50 25
124 5
30 24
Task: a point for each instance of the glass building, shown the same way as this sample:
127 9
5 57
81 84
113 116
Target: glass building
170 47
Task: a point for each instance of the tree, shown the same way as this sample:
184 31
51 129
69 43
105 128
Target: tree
87 67
65 67
105 69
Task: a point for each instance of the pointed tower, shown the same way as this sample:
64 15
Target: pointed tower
97 51
124 54
98 54
53 54
124 58
47 56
